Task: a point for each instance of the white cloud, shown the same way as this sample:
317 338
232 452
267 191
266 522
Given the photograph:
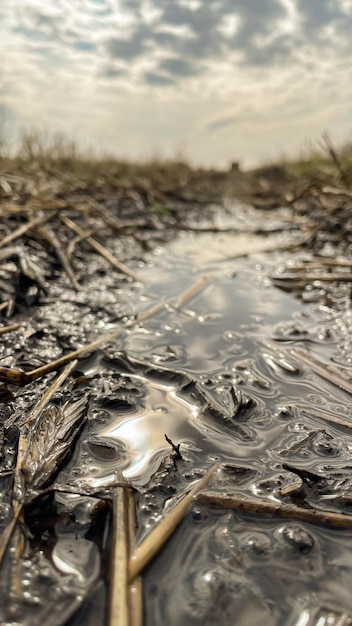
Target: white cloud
213 79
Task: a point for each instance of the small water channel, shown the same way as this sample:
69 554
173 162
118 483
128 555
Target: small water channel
183 373
237 332
217 375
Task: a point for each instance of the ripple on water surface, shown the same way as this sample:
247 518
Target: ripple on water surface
217 374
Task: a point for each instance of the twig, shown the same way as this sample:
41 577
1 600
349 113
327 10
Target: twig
151 545
125 600
176 448
119 593
55 385
100 249
304 278
192 291
5 537
135 588
74 241
337 191
51 238
267 507
10 328
331 262
20 378
25 227
328 417
323 371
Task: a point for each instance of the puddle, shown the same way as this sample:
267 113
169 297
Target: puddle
142 434
217 375
262 571
181 373
204 249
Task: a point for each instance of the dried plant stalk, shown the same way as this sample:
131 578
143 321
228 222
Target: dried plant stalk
304 278
50 236
153 543
318 262
20 378
192 291
10 328
8 532
327 144
25 227
281 509
328 417
119 608
135 588
323 371
55 385
100 249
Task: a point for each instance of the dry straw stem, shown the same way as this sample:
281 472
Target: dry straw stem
20 378
125 601
328 417
38 221
135 588
153 543
73 243
51 238
266 507
337 191
192 291
317 262
323 371
99 248
119 608
8 532
304 278
10 328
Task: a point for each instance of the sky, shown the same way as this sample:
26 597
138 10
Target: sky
211 81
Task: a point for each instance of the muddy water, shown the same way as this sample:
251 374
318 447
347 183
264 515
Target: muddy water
217 376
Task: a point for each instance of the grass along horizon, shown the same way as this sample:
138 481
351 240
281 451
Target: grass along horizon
54 153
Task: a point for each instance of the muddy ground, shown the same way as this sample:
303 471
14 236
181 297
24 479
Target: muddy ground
74 254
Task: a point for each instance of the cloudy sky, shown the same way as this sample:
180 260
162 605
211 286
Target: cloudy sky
214 80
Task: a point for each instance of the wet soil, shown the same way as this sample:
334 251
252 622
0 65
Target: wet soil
249 372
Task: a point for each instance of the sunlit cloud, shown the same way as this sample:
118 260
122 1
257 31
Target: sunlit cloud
135 76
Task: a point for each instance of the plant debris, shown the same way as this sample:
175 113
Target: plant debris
257 482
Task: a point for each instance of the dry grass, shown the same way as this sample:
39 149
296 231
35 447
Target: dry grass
325 162
44 156
56 154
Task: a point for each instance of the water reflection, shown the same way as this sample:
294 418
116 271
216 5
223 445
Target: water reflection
223 338
143 434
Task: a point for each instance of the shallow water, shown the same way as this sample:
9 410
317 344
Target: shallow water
181 374
229 336
217 376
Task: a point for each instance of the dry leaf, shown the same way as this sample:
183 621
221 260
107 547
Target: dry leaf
50 440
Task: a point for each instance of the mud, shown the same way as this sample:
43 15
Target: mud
219 374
